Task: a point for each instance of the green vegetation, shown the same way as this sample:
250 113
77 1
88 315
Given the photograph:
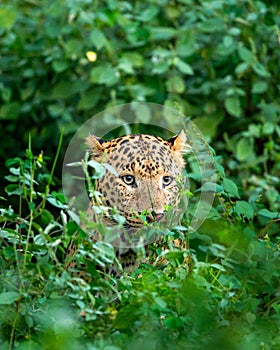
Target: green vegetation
63 61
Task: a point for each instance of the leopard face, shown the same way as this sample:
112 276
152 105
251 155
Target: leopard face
146 176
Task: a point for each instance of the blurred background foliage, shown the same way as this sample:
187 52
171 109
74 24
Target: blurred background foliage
216 61
63 61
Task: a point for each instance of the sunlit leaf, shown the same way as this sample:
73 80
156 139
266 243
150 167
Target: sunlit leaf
8 17
184 67
260 70
7 298
268 214
98 38
232 105
259 87
245 54
230 187
244 210
212 25
244 149
176 84
104 74
162 33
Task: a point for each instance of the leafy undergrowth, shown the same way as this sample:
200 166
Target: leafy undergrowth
216 61
219 289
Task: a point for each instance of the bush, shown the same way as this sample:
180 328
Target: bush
218 289
215 61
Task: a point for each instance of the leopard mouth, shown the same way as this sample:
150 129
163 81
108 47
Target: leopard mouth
154 217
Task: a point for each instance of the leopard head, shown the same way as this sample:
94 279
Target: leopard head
146 176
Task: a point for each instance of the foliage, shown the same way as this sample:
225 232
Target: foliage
217 61
219 288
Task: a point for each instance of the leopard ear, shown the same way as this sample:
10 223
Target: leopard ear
178 143
94 145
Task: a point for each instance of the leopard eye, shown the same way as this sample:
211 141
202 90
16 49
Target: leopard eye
128 179
166 180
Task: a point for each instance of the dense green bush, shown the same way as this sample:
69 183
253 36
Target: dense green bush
63 61
222 291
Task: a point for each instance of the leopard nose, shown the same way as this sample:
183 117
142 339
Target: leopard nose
154 217
159 216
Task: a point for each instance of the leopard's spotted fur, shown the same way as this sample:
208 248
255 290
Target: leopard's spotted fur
145 177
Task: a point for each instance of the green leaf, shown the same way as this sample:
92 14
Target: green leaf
241 69
89 99
232 105
99 169
134 58
184 67
160 302
173 322
250 317
32 206
12 178
73 48
8 17
162 33
126 66
56 203
175 255
209 186
59 196
268 128
8 298
56 110
142 112
255 130
60 65
104 74
46 217
160 67
208 125
259 87
72 228
125 317
6 93
9 234
98 39
13 189
185 45
176 84
244 210
269 214
244 149
231 188
245 54
62 90
260 70
212 25
10 111
148 14
218 267
26 93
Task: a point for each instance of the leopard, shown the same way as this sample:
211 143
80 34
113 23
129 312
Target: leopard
143 175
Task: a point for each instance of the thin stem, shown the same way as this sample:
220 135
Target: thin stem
33 166
13 332
53 169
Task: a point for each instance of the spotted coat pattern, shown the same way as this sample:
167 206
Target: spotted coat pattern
146 173
145 177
